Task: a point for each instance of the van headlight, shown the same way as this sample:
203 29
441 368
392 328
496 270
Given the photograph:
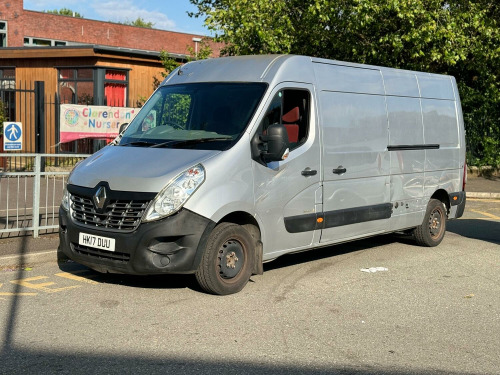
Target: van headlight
65 199
176 193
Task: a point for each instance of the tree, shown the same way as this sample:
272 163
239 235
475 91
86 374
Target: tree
460 37
139 22
64 12
204 51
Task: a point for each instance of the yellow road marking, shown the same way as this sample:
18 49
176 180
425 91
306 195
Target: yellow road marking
16 294
42 286
71 276
487 214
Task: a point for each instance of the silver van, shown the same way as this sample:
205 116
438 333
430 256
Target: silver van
235 161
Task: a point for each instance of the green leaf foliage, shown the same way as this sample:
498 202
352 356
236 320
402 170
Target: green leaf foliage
139 22
459 38
203 51
65 12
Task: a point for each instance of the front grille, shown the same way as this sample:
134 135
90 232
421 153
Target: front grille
118 215
101 254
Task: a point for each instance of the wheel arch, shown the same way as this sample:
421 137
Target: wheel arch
443 196
248 222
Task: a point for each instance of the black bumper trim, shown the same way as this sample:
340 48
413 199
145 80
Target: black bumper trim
171 245
458 199
337 218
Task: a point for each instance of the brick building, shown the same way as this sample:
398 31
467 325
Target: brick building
20 27
80 60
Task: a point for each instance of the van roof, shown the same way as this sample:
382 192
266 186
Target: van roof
265 68
230 69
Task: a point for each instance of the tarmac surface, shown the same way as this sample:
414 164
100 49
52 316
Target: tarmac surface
483 187
44 248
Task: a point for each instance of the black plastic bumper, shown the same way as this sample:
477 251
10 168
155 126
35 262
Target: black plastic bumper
458 199
171 245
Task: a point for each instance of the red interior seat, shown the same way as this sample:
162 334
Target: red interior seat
289 122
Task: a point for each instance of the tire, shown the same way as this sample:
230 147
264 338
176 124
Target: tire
61 257
433 228
227 263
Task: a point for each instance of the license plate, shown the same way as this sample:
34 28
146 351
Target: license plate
98 242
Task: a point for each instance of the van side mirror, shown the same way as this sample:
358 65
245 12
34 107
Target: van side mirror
123 127
276 140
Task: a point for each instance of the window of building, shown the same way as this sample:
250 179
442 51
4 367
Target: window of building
3 33
37 42
76 86
7 78
7 93
92 86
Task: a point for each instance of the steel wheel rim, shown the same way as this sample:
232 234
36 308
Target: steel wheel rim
230 259
436 223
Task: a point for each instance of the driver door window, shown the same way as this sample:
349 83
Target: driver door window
291 109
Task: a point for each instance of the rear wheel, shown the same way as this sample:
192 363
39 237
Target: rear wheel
433 228
227 263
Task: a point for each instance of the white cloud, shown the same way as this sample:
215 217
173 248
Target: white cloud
120 11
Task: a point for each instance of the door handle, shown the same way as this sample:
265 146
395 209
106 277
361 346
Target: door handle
339 170
309 172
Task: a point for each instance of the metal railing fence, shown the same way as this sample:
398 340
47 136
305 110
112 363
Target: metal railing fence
30 196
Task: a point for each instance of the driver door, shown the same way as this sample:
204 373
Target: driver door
288 193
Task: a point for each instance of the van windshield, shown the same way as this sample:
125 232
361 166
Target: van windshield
209 116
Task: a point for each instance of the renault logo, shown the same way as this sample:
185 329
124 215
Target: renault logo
100 198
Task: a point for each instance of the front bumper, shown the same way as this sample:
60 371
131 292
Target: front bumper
171 245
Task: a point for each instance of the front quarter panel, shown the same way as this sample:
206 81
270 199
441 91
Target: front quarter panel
228 186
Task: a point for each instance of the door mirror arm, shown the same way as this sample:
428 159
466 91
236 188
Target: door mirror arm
123 127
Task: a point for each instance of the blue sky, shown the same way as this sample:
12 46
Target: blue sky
167 14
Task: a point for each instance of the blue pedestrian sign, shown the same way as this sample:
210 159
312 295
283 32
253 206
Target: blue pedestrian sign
12 136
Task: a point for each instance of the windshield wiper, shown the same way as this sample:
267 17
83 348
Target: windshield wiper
177 143
139 143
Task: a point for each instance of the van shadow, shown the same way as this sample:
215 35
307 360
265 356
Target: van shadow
338 249
133 281
484 230
189 281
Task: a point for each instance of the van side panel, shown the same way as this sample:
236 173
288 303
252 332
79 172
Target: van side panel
434 86
406 128
398 136
443 166
355 136
332 77
407 165
440 127
400 83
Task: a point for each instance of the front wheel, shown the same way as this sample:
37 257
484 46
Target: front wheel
227 263
432 230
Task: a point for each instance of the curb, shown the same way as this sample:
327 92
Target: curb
29 259
482 195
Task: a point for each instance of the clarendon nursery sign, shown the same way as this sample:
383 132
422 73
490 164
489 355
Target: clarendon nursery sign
82 121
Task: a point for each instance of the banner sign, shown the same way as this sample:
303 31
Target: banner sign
90 121
12 136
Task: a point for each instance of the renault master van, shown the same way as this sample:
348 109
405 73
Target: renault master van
233 162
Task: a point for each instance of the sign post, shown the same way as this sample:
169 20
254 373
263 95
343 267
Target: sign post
12 136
